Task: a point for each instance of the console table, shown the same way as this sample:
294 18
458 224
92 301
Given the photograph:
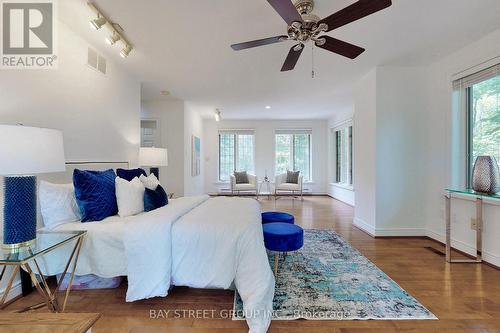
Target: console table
479 222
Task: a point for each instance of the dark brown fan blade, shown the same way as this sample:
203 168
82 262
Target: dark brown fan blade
287 10
292 58
341 47
354 12
258 42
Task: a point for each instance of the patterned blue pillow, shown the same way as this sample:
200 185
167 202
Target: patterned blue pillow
95 194
130 173
155 199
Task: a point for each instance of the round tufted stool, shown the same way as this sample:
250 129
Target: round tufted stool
282 237
272 217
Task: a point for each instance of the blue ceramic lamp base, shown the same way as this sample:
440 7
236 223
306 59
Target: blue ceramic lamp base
19 225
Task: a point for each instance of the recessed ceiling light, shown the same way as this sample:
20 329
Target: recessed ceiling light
165 93
268 107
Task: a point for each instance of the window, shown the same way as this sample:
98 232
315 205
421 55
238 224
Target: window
293 152
482 100
343 155
236 152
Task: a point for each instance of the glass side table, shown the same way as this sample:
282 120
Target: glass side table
268 185
26 258
479 222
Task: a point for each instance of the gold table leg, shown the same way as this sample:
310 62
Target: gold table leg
479 232
15 269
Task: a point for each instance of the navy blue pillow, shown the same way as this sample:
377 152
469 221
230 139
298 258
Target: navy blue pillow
95 194
130 174
155 199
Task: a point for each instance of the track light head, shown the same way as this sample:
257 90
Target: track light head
97 23
111 40
126 51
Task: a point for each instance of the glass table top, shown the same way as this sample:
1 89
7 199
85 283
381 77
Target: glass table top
473 193
46 241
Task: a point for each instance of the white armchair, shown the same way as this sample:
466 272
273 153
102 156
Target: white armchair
281 186
250 187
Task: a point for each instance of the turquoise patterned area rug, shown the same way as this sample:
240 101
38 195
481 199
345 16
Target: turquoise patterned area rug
330 280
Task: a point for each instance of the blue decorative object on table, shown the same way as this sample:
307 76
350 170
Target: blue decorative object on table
328 279
19 210
155 199
95 194
25 152
129 174
272 217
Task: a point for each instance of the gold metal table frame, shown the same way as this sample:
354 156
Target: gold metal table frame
39 281
479 197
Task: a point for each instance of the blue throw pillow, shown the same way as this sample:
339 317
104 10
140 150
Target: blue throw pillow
95 194
130 174
155 199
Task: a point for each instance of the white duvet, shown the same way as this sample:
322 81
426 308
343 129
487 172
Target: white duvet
193 241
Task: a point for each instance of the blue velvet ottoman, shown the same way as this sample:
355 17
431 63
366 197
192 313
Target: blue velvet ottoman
282 237
272 217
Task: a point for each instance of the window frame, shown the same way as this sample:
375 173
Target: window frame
293 133
235 133
339 132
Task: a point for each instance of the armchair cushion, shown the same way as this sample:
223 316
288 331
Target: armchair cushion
241 177
292 177
288 187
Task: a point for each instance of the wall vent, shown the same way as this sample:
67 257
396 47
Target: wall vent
96 61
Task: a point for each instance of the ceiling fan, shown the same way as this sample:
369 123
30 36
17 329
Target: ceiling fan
304 27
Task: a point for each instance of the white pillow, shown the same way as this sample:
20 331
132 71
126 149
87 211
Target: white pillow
150 182
58 204
129 196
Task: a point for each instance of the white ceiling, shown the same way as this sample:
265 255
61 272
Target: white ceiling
184 47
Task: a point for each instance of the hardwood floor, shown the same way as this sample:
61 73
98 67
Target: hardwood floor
465 298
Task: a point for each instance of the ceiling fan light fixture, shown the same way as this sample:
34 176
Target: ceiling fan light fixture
98 22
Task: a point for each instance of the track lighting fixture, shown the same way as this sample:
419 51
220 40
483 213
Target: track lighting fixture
97 23
114 28
126 51
217 115
112 39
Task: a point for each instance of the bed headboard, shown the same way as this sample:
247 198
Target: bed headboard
67 176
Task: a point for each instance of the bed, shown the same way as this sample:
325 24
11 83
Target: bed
198 242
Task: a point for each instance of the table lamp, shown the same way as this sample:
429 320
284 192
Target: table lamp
24 152
153 158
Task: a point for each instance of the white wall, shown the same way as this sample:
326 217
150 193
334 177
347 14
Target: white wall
193 126
98 114
170 116
444 162
338 191
264 149
365 152
410 146
179 121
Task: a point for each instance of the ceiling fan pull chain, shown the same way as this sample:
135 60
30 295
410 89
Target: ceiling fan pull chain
312 57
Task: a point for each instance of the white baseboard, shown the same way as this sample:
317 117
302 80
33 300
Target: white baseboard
464 247
15 291
360 224
388 232
400 232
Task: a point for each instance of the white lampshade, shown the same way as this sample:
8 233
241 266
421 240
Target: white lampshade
30 150
153 157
